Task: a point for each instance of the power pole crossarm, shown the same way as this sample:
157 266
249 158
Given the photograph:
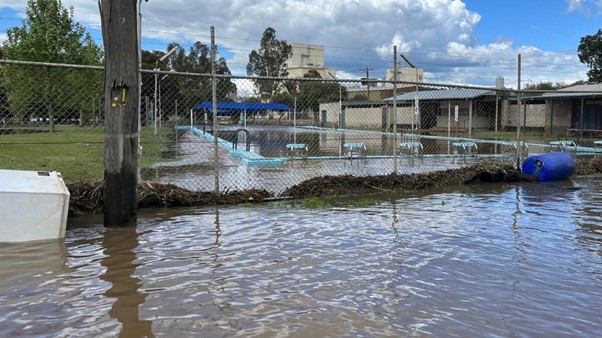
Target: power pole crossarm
407 61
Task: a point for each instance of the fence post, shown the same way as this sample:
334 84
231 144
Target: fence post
155 104
395 109
50 108
214 99
146 110
176 125
551 118
518 104
580 121
139 36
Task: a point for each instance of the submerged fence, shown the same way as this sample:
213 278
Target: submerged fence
272 133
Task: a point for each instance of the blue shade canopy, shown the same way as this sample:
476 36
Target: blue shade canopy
234 108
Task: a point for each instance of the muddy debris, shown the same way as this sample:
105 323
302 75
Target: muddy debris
86 197
588 166
342 185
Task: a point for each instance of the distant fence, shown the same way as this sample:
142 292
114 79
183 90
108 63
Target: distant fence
273 133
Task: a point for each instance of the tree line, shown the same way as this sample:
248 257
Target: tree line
50 34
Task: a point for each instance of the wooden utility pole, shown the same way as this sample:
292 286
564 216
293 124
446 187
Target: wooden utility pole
121 92
367 79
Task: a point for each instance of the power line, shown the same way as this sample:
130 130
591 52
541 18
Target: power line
431 53
374 59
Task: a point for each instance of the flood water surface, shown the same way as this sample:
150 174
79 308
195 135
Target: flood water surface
489 260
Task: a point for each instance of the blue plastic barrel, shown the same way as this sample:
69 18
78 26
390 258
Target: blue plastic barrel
550 167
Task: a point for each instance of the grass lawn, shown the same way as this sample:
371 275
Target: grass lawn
76 152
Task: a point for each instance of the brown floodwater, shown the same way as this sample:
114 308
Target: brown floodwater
489 260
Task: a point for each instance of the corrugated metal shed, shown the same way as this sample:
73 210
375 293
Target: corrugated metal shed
584 88
573 92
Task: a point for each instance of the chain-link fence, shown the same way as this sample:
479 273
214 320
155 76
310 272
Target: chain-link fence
271 133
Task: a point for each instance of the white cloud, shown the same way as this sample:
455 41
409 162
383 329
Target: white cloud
356 34
245 88
15 5
587 8
437 35
502 57
341 74
574 5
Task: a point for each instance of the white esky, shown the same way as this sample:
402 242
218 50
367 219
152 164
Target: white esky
461 42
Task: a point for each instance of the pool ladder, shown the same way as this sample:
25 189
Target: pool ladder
247 138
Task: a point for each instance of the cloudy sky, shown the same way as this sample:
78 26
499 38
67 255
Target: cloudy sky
464 42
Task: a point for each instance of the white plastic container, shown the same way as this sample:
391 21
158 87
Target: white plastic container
33 205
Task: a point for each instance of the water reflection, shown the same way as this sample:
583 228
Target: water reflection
588 216
515 219
45 259
120 262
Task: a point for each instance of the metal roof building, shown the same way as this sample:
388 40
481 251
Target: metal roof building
444 94
579 91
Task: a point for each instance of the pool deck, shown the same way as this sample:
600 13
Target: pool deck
249 158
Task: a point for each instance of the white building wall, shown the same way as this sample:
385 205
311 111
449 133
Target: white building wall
448 111
536 115
332 114
406 75
365 117
306 57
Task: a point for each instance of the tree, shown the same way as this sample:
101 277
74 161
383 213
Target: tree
269 61
361 97
545 86
590 53
49 34
187 90
284 98
312 74
198 60
312 93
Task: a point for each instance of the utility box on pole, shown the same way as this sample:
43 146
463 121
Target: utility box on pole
121 91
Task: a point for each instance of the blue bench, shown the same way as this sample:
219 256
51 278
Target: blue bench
296 150
354 150
597 147
466 148
563 145
411 149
